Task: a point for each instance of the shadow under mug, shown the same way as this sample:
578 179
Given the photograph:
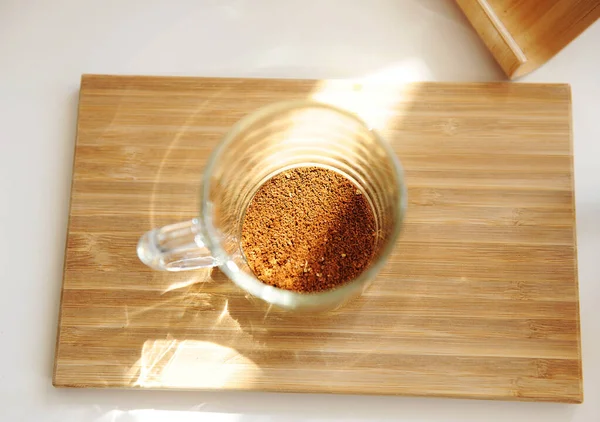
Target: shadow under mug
266 142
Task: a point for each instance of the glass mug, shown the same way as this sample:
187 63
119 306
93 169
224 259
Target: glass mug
271 140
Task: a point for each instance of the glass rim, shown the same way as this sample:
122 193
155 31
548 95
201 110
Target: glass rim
250 283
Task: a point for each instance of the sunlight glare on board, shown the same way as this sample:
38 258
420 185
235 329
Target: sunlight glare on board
377 97
193 364
202 275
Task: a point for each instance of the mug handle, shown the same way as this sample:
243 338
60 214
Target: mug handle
176 247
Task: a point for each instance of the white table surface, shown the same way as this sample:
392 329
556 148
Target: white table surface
46 45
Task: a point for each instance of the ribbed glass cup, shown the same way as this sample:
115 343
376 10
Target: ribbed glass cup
271 140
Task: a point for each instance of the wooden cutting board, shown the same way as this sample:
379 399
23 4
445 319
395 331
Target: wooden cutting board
479 300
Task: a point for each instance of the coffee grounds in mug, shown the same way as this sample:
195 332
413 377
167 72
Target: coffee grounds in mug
308 229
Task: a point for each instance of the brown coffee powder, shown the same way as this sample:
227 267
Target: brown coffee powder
308 229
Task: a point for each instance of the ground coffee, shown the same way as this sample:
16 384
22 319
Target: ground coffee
308 229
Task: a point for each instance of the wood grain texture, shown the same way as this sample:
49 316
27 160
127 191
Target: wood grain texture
479 299
524 34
